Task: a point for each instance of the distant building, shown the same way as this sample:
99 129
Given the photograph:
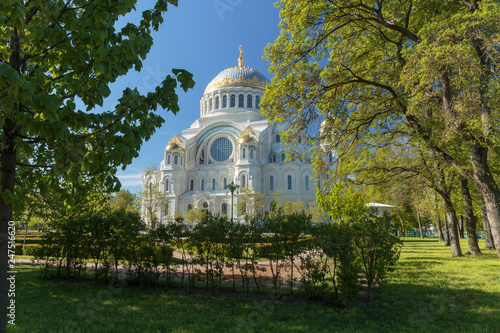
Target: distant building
230 142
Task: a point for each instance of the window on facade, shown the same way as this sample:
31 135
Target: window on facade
176 159
249 101
216 102
274 158
289 180
168 159
243 153
166 185
224 101
206 106
278 138
191 185
221 149
283 157
243 181
224 208
203 184
241 101
257 102
210 102
251 153
330 158
213 184
307 183
271 183
225 182
233 101
165 210
190 207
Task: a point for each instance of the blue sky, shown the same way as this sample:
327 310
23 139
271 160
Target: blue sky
201 36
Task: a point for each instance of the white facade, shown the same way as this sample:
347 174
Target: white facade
230 142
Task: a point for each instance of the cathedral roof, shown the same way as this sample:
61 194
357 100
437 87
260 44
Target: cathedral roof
248 136
240 76
175 144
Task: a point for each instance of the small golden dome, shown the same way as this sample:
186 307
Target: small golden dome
175 144
248 136
327 121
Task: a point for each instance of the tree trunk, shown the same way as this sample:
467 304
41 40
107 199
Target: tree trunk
7 178
420 225
446 229
461 227
470 219
489 189
437 218
452 227
488 239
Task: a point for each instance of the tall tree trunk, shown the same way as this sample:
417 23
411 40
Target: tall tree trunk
8 161
461 227
452 222
470 219
488 239
446 229
489 189
420 225
437 218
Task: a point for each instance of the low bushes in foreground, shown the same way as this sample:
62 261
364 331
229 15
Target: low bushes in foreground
323 261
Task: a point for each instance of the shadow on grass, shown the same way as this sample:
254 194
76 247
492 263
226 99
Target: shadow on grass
52 306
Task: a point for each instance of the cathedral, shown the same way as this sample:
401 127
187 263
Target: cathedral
231 142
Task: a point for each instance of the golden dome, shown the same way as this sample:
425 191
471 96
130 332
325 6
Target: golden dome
240 76
175 144
327 121
248 136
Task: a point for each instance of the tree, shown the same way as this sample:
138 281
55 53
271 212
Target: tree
124 200
250 203
55 55
377 69
153 200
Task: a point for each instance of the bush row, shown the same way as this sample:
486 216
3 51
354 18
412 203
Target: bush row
320 260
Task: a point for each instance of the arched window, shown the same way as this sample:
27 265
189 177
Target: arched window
210 102
307 183
213 184
278 138
271 183
224 101
176 159
330 158
190 207
249 101
243 181
243 154
224 208
191 185
205 205
251 153
216 102
283 157
225 182
165 210
206 106
203 184
289 180
241 101
274 158
233 101
168 159
166 185
257 102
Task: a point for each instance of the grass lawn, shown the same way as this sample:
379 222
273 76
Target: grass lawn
429 292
